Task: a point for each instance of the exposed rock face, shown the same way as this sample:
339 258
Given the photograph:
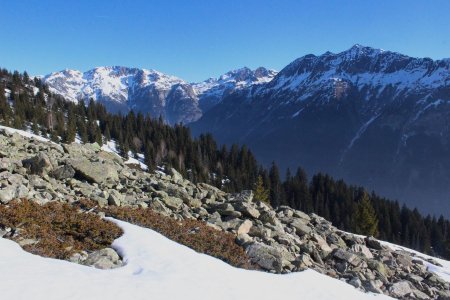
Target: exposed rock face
279 240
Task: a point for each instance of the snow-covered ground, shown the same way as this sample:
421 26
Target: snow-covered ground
24 133
157 268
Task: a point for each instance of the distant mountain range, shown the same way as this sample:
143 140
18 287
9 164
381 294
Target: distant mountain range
373 117
122 89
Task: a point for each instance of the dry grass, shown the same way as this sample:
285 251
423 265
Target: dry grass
192 233
60 229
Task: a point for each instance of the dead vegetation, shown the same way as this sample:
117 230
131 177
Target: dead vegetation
192 233
56 229
59 230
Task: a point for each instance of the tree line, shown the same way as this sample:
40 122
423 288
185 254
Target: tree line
28 104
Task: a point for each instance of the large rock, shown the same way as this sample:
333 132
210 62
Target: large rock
265 256
115 198
172 202
39 164
400 289
176 176
373 243
96 172
300 226
349 257
363 250
247 209
12 192
103 259
63 172
245 227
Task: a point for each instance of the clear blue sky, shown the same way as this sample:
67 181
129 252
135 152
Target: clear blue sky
197 39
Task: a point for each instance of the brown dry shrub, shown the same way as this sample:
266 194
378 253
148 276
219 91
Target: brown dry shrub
192 233
59 228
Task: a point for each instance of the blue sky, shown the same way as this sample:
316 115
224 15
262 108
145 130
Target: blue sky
197 39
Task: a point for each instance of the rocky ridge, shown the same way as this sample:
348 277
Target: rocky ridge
279 240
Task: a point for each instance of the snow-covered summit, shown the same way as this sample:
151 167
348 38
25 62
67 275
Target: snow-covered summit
363 68
213 90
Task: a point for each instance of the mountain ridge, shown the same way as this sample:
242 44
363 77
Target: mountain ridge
348 114
122 89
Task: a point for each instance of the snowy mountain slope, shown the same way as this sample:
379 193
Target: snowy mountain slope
374 117
156 268
213 90
122 89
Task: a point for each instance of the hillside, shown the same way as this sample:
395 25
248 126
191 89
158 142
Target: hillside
156 146
281 240
375 118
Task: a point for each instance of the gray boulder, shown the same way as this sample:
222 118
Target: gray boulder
172 202
63 172
301 228
400 289
349 257
103 259
12 192
94 172
247 209
265 256
115 198
39 164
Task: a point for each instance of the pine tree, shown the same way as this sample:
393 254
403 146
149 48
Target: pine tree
366 221
276 196
261 193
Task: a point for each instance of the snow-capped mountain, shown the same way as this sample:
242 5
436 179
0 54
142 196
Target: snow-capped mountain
374 117
213 90
123 89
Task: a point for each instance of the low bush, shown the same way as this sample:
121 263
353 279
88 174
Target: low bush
59 229
192 233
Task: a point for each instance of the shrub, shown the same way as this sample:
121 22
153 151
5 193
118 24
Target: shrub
192 233
59 229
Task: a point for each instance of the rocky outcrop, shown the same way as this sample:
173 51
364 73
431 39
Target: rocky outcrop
278 240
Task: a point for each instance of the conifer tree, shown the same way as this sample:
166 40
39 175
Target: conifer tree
261 193
366 221
276 196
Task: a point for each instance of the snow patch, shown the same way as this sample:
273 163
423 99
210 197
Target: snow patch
156 268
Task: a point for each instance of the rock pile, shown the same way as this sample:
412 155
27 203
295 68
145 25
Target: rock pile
279 241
